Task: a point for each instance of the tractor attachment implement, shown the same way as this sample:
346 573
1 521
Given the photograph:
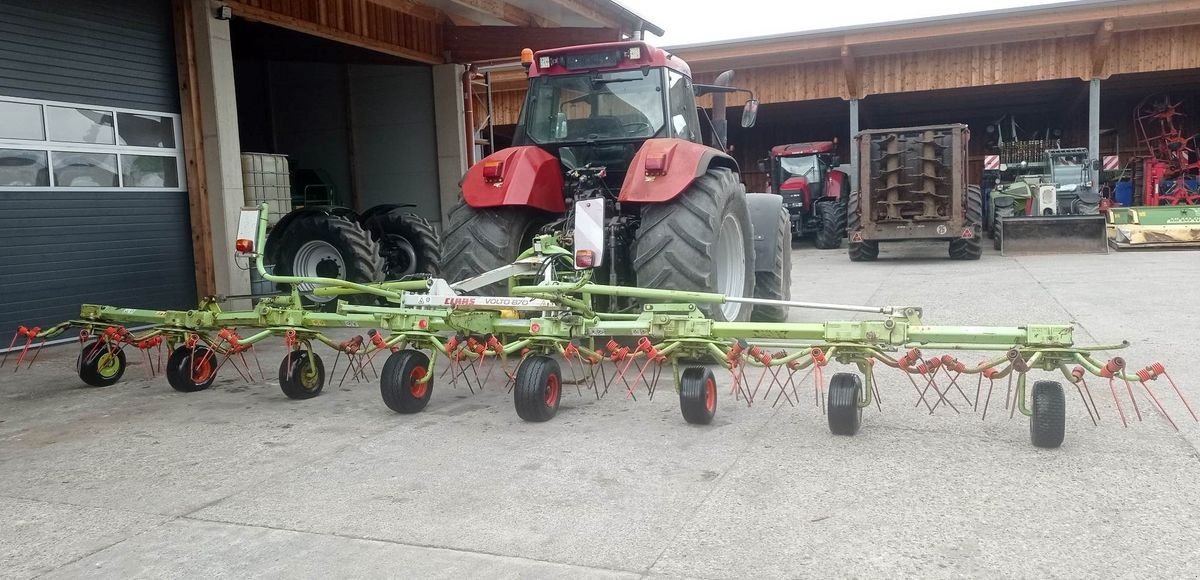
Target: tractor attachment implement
544 338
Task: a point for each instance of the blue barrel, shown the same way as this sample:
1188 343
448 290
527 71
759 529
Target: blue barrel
1123 193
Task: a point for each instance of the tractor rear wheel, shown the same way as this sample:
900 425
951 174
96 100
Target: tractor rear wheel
969 249
407 242
1002 207
700 241
483 239
864 251
329 246
831 224
776 284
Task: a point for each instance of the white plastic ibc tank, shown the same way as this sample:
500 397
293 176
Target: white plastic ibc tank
265 179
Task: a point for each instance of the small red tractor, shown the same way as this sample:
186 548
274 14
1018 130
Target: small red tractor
618 123
813 189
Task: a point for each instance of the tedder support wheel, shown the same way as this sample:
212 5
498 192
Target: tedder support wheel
191 369
864 251
844 414
100 367
538 389
399 383
482 239
407 242
831 224
970 249
700 241
698 395
776 283
1048 421
298 379
329 246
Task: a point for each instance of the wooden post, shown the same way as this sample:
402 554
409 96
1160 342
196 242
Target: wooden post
193 148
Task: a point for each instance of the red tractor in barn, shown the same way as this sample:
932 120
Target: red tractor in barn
618 122
813 189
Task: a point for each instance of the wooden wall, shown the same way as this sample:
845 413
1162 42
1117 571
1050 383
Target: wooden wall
358 22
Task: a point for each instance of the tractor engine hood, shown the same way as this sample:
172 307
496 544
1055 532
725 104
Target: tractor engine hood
797 184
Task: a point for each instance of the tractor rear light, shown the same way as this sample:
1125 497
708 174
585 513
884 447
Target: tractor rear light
493 170
244 246
584 258
656 165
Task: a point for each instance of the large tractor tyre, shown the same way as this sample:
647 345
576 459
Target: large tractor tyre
831 224
864 251
776 284
329 246
408 243
700 241
970 249
1002 207
483 239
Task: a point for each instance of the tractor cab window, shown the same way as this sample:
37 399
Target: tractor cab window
805 166
685 123
595 107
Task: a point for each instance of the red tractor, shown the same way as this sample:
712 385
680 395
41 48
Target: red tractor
814 191
618 122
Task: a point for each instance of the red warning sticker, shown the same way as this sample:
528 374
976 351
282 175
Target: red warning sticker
856 237
968 233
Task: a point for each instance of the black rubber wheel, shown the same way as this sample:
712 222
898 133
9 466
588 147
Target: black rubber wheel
100 368
831 224
679 244
398 381
329 246
482 239
407 242
297 379
777 283
1048 423
864 251
970 249
1002 207
538 389
698 395
844 414
190 370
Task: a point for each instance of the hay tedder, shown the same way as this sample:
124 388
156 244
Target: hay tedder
429 330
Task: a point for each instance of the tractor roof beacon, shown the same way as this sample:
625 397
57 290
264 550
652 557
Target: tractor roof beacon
618 122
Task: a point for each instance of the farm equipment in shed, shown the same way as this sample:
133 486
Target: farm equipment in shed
545 334
1057 211
914 187
814 191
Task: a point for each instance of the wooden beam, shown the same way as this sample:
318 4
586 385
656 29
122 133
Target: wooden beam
850 69
256 14
1100 45
193 148
507 12
591 12
413 8
472 44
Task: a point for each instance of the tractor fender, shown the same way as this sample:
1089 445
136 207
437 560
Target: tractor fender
382 208
528 177
679 164
273 236
837 184
764 223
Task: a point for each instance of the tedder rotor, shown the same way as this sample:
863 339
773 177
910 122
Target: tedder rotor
545 334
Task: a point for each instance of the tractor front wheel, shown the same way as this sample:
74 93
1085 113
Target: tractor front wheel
407 242
700 241
831 224
969 248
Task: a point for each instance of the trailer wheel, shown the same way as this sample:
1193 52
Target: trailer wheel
864 251
776 284
300 380
831 224
329 246
844 414
1048 421
407 242
398 382
698 395
700 241
191 369
482 239
969 249
538 389
100 367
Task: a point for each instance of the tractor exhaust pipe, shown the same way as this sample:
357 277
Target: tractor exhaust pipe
720 120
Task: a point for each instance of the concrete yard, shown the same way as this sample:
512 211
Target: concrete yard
138 481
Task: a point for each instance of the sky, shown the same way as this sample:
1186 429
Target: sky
692 21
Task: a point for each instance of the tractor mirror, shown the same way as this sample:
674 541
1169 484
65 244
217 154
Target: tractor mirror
589 233
749 113
560 126
762 165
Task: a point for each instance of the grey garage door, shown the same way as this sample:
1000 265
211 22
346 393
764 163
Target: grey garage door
93 206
